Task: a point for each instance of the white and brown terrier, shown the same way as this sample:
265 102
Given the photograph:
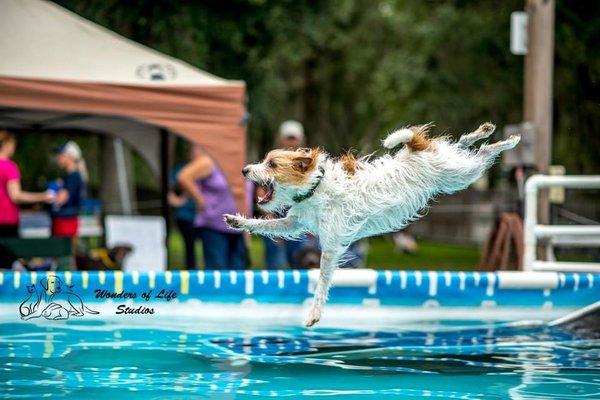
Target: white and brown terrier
343 200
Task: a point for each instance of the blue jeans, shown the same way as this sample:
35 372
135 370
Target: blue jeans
223 250
274 253
187 230
277 252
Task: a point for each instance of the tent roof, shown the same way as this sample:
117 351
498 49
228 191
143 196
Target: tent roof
41 40
54 62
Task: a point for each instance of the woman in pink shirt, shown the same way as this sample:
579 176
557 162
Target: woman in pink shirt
11 194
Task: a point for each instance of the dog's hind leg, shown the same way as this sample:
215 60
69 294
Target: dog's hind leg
492 150
484 131
329 261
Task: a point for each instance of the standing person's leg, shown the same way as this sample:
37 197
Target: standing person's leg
6 257
9 230
274 253
189 239
238 252
215 248
291 250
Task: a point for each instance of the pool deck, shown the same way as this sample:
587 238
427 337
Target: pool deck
425 289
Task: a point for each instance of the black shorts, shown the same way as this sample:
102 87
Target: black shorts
6 256
11 230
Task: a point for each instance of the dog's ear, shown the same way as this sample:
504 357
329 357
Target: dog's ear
118 253
44 283
302 163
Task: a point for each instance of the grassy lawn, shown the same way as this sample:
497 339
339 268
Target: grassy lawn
381 255
430 255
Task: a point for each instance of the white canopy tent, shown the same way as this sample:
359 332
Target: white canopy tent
60 71
42 40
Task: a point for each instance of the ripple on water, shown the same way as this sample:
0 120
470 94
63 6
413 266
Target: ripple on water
488 361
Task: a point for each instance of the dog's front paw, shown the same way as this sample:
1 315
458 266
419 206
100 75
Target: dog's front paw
234 221
313 317
308 322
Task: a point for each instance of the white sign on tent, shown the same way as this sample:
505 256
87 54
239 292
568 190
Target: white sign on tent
146 234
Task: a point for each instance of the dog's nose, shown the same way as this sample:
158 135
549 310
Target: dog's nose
245 171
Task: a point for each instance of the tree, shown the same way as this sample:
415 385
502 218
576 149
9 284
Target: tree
351 70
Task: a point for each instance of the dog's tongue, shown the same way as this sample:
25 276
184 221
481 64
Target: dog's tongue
267 196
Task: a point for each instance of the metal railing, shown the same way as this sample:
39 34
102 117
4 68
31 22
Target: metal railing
573 234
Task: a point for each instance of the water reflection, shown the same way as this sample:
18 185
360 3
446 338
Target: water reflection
491 361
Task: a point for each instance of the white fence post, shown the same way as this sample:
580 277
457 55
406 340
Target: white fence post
533 231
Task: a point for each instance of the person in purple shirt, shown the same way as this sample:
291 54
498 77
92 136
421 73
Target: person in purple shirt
206 184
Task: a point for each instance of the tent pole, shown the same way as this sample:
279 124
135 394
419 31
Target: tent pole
164 179
122 178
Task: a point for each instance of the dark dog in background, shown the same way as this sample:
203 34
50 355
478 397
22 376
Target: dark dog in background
103 259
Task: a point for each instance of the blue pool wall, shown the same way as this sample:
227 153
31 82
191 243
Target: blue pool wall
388 288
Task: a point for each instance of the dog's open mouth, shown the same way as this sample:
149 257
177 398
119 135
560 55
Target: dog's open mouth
268 190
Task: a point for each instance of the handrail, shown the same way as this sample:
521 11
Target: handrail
533 230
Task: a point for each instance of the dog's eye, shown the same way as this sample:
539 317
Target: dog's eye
272 164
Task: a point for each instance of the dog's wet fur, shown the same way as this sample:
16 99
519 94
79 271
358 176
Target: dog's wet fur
346 199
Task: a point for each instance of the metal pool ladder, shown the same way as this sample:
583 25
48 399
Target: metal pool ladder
564 235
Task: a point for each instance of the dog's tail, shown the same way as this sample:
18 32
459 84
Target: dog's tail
415 137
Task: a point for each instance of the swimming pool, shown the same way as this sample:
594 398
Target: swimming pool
237 335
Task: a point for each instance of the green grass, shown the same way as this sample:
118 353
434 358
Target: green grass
430 255
381 255
177 257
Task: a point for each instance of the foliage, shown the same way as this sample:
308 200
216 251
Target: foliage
577 91
381 255
351 70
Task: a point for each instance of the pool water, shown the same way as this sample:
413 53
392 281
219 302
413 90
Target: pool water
188 359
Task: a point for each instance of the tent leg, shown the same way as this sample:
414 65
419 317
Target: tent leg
122 175
164 179
117 188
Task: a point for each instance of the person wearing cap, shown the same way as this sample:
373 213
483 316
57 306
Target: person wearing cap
280 251
291 135
69 191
